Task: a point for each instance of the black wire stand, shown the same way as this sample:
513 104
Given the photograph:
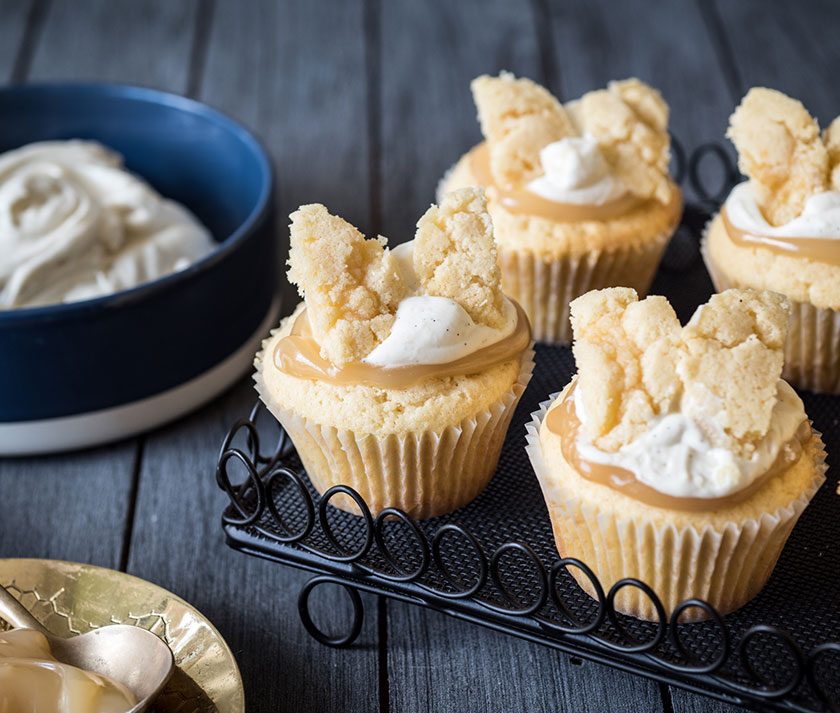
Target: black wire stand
494 562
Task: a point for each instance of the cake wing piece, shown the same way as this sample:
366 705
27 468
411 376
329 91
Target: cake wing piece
518 118
780 149
455 255
626 356
635 362
733 359
351 285
629 120
647 103
831 139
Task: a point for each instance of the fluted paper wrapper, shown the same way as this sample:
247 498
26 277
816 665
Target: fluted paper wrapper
725 566
545 286
423 473
812 349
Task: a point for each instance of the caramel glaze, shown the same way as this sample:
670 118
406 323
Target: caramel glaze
563 422
32 680
520 200
299 355
817 249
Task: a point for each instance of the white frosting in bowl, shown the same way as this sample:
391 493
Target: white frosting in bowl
429 329
677 457
819 219
576 172
74 224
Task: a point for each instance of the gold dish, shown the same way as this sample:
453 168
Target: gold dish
70 598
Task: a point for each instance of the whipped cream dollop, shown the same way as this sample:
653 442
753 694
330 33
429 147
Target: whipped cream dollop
576 172
819 219
676 456
429 329
74 224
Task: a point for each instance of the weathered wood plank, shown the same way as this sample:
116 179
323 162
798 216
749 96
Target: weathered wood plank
663 44
269 66
70 507
306 102
685 702
146 42
428 121
440 664
17 14
428 116
790 47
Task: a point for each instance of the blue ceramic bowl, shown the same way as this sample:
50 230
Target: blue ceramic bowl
86 372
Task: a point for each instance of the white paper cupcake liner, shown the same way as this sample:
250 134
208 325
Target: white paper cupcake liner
812 349
545 286
423 473
725 566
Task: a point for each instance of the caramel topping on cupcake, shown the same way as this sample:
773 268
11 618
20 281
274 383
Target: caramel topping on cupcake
781 151
635 360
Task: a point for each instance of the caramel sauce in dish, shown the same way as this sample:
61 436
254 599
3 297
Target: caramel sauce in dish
521 200
32 680
817 249
299 355
563 421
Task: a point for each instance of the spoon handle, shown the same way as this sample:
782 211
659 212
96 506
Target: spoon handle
16 614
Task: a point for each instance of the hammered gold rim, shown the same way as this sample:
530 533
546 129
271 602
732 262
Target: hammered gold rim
72 597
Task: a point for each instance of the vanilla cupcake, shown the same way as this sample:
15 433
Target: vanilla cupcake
400 371
676 455
579 193
780 230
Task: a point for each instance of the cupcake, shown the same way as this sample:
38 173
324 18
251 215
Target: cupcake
579 193
676 455
399 372
780 229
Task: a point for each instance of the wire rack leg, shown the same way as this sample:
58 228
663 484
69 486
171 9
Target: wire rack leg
308 624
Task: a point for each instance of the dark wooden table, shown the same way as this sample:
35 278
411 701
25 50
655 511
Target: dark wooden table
363 105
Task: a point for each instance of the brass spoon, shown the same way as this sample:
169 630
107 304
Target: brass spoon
129 655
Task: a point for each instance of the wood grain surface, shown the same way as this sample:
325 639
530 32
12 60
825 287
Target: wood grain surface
363 105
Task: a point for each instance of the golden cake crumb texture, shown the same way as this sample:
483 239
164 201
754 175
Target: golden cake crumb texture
518 118
781 151
455 255
635 360
734 349
629 120
626 361
351 285
831 138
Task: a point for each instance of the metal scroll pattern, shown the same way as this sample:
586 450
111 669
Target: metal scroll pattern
274 499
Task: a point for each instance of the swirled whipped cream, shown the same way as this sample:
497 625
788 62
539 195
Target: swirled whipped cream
431 329
819 219
576 172
677 454
74 224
